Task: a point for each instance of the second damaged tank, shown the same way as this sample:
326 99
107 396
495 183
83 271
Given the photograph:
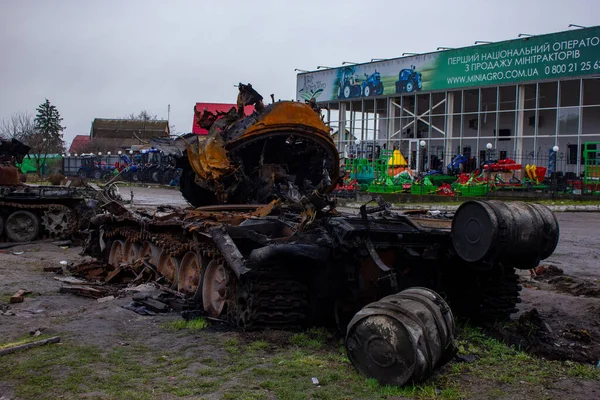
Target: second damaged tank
30 212
266 247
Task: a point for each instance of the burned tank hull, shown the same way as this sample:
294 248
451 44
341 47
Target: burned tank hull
258 266
30 212
280 266
286 258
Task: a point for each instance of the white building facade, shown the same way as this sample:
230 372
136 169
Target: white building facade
525 97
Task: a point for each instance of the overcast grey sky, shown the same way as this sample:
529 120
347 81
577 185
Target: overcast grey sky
109 58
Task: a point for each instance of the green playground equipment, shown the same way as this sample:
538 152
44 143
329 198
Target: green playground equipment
384 180
591 168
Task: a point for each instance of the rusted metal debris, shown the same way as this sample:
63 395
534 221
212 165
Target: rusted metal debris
85 291
105 282
19 296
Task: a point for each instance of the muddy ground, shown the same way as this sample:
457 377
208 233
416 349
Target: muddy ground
107 351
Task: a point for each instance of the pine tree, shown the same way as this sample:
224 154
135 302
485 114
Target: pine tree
47 137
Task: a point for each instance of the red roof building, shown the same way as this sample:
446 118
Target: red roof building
79 144
214 107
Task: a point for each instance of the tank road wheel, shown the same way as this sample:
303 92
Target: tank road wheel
131 251
147 249
57 222
190 273
117 253
149 252
22 226
216 288
168 267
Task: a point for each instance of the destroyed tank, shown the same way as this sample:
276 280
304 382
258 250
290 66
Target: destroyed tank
29 212
265 247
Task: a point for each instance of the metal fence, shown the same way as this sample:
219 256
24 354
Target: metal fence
550 173
71 166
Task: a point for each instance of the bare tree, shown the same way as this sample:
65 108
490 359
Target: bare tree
18 126
144 115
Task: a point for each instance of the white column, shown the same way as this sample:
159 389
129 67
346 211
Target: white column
520 120
342 128
449 127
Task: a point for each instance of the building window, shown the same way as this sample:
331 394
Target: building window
572 153
508 98
568 121
591 92
547 94
569 93
530 94
503 134
590 121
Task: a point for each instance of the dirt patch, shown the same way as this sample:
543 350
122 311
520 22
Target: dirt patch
551 277
557 318
575 286
532 332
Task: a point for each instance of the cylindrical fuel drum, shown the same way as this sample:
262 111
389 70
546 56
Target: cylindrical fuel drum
519 233
402 338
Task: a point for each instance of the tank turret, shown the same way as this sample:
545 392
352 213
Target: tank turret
282 150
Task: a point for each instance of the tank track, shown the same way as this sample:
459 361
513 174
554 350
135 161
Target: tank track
271 298
483 296
263 298
72 226
499 293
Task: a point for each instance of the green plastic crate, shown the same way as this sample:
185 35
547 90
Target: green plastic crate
384 189
423 189
476 190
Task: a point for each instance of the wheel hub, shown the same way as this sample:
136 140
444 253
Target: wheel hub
21 226
189 274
